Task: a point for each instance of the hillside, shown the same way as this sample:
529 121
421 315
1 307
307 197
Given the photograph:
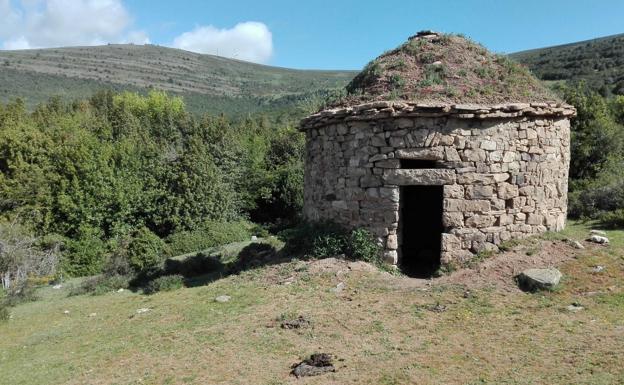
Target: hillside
208 83
600 62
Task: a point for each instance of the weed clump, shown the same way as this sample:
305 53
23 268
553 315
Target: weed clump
328 239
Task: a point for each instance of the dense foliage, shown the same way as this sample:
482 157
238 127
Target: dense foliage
120 173
597 156
599 63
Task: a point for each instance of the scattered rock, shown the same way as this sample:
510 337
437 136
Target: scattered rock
319 363
437 308
56 287
120 290
576 244
599 239
598 269
66 312
92 315
539 279
339 287
598 232
254 238
143 310
298 323
223 298
574 307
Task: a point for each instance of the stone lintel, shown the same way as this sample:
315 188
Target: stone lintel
419 177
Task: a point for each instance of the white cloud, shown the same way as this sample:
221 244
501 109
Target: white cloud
250 41
137 37
54 23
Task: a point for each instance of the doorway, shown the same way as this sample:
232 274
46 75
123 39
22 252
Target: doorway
420 229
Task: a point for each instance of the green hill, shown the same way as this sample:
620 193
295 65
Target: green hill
208 83
599 62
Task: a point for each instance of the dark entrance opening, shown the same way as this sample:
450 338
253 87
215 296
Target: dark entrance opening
420 226
417 163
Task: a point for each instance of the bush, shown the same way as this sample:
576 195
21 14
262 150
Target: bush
145 251
5 314
192 266
363 246
254 255
210 234
20 294
164 283
326 239
613 219
101 284
84 255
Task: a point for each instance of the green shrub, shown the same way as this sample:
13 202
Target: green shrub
612 219
210 234
5 314
20 294
254 255
145 251
327 239
101 284
192 266
84 255
363 246
164 283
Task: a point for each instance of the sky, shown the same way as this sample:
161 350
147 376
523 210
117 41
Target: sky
303 34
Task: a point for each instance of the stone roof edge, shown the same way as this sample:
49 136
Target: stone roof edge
391 109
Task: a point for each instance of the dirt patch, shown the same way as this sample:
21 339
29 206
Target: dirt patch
300 322
500 269
317 364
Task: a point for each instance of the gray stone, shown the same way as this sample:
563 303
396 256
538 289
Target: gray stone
539 279
413 177
223 298
598 239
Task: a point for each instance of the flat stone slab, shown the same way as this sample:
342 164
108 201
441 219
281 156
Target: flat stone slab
419 177
539 279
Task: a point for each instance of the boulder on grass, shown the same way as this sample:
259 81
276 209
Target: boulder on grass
539 279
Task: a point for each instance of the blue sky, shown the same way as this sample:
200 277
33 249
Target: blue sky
306 34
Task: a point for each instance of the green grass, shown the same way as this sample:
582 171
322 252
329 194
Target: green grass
381 328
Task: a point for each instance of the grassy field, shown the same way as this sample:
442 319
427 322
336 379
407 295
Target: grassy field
381 328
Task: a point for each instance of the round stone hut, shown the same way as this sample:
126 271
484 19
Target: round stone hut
442 150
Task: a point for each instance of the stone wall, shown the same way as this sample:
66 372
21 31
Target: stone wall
504 176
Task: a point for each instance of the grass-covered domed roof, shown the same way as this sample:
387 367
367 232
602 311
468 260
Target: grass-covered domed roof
434 67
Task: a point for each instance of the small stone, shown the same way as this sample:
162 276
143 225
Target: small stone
539 279
223 298
143 310
120 290
339 287
66 312
599 239
576 244
254 238
574 308
598 269
56 287
92 315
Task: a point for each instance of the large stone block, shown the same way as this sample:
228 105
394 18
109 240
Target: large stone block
427 177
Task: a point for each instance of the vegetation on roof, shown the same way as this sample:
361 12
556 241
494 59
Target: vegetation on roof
433 67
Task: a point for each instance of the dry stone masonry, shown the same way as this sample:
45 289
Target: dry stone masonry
504 169
459 178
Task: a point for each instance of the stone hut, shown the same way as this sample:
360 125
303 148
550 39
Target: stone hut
442 150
